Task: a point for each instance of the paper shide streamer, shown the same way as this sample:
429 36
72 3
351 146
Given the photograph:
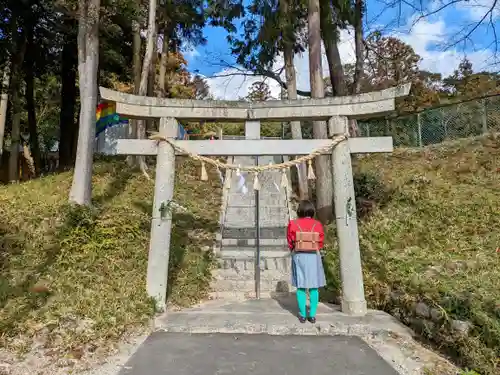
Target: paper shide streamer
284 167
241 185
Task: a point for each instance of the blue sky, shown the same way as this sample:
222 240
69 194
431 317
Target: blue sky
433 37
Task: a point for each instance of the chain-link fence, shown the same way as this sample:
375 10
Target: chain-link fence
466 119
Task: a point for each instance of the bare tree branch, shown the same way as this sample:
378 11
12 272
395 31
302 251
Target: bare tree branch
421 10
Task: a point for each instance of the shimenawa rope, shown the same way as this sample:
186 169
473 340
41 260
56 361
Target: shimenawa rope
257 168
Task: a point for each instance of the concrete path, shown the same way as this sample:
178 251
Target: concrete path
276 317
263 337
166 353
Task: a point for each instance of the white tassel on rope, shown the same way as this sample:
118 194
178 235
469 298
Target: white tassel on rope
310 171
298 167
242 187
204 175
228 178
221 177
238 174
276 186
256 183
284 179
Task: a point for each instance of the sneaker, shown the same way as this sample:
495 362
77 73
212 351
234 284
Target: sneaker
312 320
302 319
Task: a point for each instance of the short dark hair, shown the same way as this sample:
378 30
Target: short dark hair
306 209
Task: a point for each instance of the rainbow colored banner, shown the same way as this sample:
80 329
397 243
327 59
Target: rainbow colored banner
107 117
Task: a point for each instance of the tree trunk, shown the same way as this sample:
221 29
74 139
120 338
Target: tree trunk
148 57
163 68
358 68
136 45
335 67
291 81
29 63
330 35
4 103
15 83
88 60
152 73
324 184
137 65
358 42
74 144
150 123
295 126
68 130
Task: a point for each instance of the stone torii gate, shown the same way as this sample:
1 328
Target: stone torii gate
335 110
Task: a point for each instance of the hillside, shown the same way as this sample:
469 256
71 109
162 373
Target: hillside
430 238
73 281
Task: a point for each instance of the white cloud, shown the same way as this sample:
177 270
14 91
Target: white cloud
428 40
478 8
229 85
423 37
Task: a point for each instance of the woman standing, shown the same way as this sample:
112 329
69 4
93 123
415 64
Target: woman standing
305 239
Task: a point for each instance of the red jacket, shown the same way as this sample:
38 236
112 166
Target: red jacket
306 224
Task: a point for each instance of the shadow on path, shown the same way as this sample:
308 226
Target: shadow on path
288 303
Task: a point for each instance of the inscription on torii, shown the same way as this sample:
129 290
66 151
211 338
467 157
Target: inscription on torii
336 111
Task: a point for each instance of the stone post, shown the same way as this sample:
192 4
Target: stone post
159 248
353 294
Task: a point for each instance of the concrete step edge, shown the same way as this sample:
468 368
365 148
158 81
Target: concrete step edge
250 251
245 295
249 285
249 274
253 242
270 264
250 254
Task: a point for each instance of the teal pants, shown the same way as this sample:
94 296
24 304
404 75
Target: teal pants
313 301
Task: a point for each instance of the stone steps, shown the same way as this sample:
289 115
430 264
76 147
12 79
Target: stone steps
249 204
267 276
252 242
243 281
249 232
282 264
268 196
249 285
246 295
235 275
231 252
242 217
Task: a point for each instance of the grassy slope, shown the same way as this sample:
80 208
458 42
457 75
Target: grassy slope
75 277
436 240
